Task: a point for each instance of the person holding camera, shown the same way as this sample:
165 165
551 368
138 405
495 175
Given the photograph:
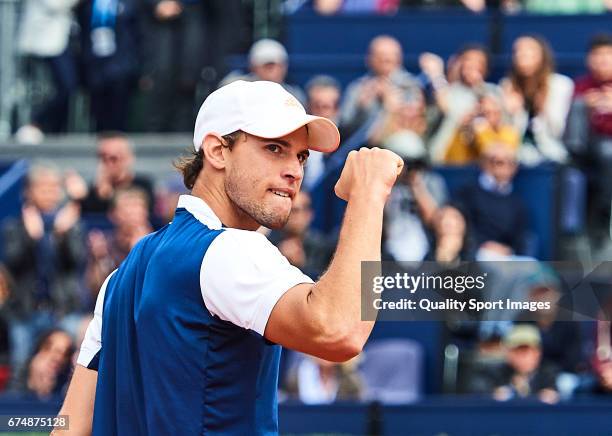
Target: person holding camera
479 129
413 202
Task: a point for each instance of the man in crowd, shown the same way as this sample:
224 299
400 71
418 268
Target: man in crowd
413 202
129 214
589 126
43 252
364 96
268 60
115 171
524 374
323 100
496 215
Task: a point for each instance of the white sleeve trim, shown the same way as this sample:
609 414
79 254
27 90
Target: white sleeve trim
243 276
92 342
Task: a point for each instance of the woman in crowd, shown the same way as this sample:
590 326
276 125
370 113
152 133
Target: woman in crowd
538 101
49 366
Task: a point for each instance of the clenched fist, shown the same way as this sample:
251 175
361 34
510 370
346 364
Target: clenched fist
367 172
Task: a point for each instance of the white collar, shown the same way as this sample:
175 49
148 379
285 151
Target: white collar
200 210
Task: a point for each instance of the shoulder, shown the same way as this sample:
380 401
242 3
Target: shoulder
358 82
492 87
584 83
557 80
244 243
11 224
142 181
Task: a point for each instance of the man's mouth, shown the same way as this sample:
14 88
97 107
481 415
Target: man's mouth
281 193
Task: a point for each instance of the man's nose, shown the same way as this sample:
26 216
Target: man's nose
293 169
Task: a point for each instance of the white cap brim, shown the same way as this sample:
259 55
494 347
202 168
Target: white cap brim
323 134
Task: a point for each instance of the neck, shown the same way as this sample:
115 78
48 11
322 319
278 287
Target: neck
216 198
124 178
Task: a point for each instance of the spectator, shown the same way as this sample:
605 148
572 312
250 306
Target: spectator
402 112
364 96
589 126
43 252
268 60
496 216
129 214
561 340
6 289
111 56
570 7
603 375
6 284
451 244
330 7
115 171
323 100
480 129
167 197
323 96
44 37
177 29
601 358
49 367
459 98
317 381
538 101
413 201
302 246
525 375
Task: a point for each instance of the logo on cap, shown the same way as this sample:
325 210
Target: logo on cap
292 102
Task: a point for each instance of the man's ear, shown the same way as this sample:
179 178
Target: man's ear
213 148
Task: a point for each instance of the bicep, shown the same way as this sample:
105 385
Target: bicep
295 325
288 324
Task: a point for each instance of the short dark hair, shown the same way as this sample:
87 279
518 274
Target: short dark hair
131 191
475 46
600 40
322 81
191 165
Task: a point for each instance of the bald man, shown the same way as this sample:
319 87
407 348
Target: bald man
365 96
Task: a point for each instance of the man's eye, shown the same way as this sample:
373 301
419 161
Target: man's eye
273 148
302 158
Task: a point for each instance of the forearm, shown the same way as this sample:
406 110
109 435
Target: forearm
336 297
441 98
79 403
426 204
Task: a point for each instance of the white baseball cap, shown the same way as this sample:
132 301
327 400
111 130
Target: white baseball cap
263 109
267 51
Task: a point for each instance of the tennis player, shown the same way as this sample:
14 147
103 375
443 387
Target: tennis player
186 334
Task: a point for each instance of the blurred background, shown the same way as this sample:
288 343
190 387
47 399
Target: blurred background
501 110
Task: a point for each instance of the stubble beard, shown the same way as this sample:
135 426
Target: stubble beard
247 206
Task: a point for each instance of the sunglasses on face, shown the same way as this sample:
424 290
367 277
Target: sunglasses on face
501 162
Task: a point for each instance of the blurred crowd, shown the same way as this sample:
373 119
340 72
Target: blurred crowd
329 7
71 233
